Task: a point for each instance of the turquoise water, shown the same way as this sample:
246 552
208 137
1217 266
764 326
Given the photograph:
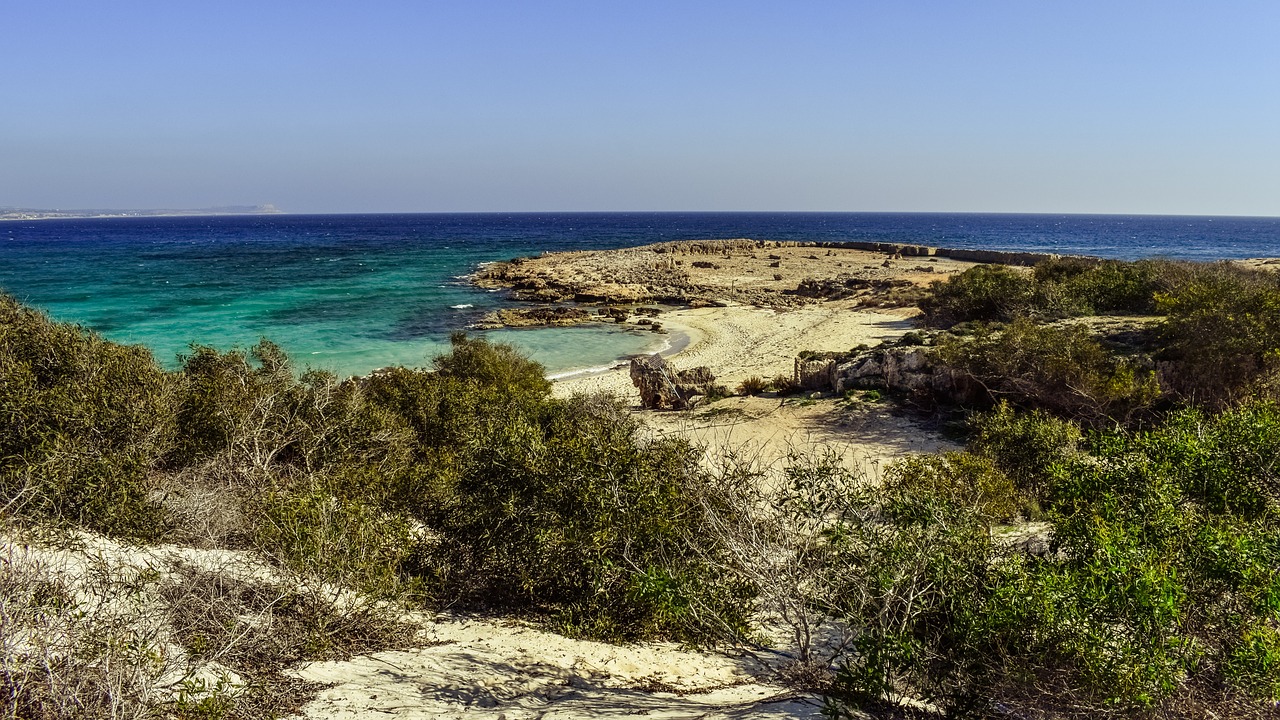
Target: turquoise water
352 293
338 295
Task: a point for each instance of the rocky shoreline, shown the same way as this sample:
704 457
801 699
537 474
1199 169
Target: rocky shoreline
565 316
776 275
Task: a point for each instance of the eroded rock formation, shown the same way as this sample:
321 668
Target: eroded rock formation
662 387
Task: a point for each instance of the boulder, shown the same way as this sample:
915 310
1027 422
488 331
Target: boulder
815 374
663 387
906 370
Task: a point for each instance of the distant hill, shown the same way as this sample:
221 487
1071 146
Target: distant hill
12 213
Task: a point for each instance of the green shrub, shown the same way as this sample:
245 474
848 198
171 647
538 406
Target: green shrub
983 292
82 421
495 366
1157 597
319 534
1024 446
1222 334
1061 369
1114 286
564 508
1169 540
913 338
961 481
1057 288
227 404
906 565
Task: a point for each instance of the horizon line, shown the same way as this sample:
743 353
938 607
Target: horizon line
124 214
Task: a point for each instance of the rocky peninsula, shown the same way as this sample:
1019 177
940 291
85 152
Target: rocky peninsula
741 308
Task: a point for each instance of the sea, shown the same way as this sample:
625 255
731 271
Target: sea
353 293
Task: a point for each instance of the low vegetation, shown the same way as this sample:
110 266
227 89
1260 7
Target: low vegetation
753 385
1209 337
1154 597
1056 289
464 485
1061 368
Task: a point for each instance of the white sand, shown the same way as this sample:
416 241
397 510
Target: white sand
462 668
739 341
493 670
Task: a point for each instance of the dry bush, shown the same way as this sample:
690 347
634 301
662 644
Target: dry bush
90 629
78 649
206 505
783 384
753 385
769 527
257 628
1062 369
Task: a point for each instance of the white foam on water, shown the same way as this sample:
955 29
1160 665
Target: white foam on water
585 371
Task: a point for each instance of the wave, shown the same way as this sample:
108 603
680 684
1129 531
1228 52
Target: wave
464 306
586 371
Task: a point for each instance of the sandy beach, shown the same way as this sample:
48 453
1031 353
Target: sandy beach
756 306
740 341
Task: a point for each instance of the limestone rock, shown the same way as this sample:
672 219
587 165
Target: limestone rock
663 387
815 374
534 317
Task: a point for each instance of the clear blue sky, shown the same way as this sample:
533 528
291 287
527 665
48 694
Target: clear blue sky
1017 106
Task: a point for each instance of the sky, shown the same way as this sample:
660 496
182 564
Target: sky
422 106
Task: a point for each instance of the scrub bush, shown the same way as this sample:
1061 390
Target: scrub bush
236 403
82 422
983 292
564 509
317 533
1073 287
907 566
1156 597
1061 369
753 385
1221 338
1024 446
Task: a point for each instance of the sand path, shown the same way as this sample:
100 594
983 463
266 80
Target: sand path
492 670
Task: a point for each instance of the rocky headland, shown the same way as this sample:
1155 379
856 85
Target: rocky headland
764 274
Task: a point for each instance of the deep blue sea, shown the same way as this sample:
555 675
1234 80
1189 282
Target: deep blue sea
352 293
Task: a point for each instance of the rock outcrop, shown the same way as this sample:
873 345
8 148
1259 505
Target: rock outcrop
535 317
686 273
662 387
909 370
815 374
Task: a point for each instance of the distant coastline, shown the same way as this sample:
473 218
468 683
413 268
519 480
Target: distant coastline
10 213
